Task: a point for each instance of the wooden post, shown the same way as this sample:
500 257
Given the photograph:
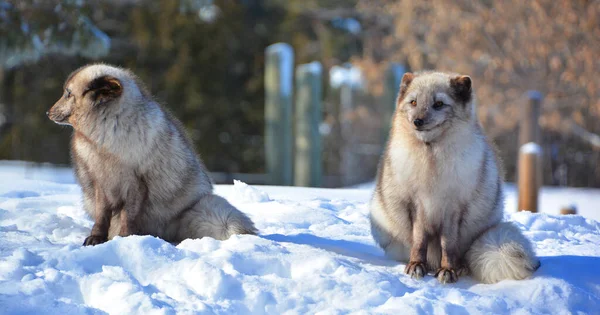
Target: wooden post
279 66
393 77
530 153
348 164
530 156
7 111
529 128
307 162
568 210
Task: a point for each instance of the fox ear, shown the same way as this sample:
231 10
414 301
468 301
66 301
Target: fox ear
461 88
104 89
406 80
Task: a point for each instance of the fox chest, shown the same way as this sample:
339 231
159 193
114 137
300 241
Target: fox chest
99 170
437 184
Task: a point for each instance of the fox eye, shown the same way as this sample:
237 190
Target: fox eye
413 103
67 94
438 105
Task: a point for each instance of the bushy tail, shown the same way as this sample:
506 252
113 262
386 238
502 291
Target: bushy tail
213 216
501 253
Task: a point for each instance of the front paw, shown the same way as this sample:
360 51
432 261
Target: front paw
446 275
123 232
94 240
415 269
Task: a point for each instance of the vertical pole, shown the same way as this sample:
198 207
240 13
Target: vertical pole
529 128
530 157
348 165
571 209
7 110
530 153
393 77
307 162
279 63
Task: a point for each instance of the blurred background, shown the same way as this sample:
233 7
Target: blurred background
206 61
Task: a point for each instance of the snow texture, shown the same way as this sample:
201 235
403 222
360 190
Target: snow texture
314 254
531 148
246 193
285 53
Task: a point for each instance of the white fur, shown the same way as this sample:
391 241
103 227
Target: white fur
443 179
501 253
441 96
219 220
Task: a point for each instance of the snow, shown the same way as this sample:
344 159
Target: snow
286 65
314 254
531 148
247 193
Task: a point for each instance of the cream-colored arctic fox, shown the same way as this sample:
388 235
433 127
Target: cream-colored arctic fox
137 168
438 203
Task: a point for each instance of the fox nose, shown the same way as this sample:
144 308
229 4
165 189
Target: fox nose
419 122
47 113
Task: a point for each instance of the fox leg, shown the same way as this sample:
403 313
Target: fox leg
416 267
131 210
449 270
102 215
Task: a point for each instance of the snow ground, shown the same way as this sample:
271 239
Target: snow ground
314 254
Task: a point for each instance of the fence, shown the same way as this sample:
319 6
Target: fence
300 122
301 126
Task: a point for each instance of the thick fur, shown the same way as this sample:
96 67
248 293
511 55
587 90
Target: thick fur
137 168
438 202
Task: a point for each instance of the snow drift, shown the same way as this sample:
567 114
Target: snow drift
314 254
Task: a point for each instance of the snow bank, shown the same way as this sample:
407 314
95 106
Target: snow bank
246 193
314 254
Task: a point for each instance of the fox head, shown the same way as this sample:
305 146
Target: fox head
431 103
95 98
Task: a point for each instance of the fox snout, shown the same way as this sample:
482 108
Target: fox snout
418 122
421 122
58 114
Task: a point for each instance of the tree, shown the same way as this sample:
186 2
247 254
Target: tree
32 29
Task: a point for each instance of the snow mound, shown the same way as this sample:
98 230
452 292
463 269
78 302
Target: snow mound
314 254
246 193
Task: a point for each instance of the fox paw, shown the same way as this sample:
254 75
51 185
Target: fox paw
415 269
124 232
445 275
94 240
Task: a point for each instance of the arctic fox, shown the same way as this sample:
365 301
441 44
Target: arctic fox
137 168
438 202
